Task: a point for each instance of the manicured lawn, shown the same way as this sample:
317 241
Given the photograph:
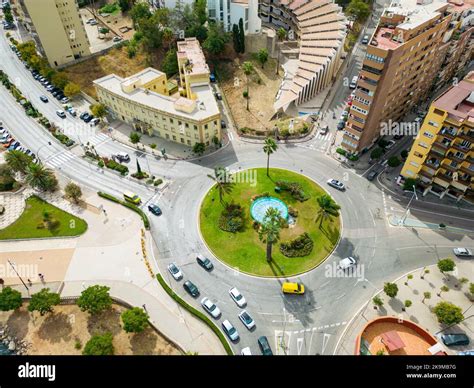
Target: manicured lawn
244 251
27 226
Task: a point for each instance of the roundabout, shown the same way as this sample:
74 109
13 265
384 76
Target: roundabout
231 227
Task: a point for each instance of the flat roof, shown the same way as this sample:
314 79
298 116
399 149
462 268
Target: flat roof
415 13
459 100
190 49
206 105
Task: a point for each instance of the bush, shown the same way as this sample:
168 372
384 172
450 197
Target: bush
393 161
404 154
295 190
391 289
113 165
376 153
232 218
341 151
99 345
448 313
293 212
158 182
136 209
299 247
262 195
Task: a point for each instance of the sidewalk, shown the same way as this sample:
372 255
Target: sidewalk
420 310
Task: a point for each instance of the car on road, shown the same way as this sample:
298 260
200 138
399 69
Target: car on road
61 114
44 99
95 121
247 320
346 263
204 262
371 175
212 77
340 125
365 39
237 297
93 22
218 96
230 330
83 115
175 271
390 144
264 346
64 100
88 118
155 209
462 252
116 39
121 156
324 130
246 352
292 288
455 339
397 137
336 184
353 83
223 124
132 197
191 288
210 307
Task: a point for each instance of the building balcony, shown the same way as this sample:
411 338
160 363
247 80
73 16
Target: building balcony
440 146
466 170
448 167
428 173
437 152
459 147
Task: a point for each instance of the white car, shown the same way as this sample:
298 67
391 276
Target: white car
390 144
346 263
464 252
175 271
245 352
336 184
230 330
247 320
210 307
237 297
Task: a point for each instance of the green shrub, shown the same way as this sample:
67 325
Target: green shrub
113 165
158 182
261 195
341 151
131 206
295 190
232 218
299 247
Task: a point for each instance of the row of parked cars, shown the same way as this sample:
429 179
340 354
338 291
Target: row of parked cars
55 91
9 143
211 308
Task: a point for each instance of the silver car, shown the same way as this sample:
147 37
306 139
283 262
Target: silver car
175 271
463 252
336 184
210 307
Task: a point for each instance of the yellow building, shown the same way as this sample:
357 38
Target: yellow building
57 28
442 156
143 100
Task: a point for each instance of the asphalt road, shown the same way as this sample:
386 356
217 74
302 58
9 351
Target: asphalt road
309 324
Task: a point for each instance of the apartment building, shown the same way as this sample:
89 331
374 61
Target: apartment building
442 156
398 70
57 28
146 102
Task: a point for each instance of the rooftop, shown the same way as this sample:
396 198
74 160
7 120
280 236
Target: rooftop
190 49
458 101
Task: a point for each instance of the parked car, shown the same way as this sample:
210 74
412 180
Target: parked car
463 252
324 130
346 263
336 184
365 39
237 297
264 346
155 209
88 118
218 95
230 330
456 339
247 320
191 288
353 83
44 99
61 114
212 77
64 100
116 39
390 144
83 115
340 125
371 175
50 88
204 262
223 124
93 22
95 121
210 307
121 156
175 271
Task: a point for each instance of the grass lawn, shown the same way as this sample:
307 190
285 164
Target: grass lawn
27 226
244 250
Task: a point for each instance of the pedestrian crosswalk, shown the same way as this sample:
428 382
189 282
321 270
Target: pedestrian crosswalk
319 142
98 139
56 161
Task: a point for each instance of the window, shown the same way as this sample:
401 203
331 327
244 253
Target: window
428 135
424 145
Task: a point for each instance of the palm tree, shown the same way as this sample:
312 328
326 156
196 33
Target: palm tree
269 148
17 160
269 231
247 67
281 35
223 182
168 36
40 177
328 208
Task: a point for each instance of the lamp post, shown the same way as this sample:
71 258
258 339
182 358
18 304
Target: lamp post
17 274
39 149
402 221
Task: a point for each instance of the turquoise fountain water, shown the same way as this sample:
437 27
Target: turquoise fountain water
261 205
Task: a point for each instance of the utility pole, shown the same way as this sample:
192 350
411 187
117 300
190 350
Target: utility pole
402 221
17 274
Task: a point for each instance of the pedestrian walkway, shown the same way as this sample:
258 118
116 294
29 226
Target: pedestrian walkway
13 204
413 223
98 139
57 160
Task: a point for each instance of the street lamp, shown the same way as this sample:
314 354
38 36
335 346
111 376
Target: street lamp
402 221
39 149
17 274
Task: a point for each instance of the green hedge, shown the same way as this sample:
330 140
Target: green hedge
136 209
196 313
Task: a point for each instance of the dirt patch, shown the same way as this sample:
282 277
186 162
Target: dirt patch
58 333
263 87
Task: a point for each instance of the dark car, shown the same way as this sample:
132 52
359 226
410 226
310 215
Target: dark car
191 288
371 175
83 115
204 262
44 98
218 95
223 124
341 125
88 118
264 346
459 339
155 209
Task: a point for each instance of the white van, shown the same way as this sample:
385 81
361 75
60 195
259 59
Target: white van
353 83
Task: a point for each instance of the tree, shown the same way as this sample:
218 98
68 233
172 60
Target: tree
72 89
358 9
216 39
99 345
223 183
471 288
104 30
269 147
409 277
135 137
43 301
73 192
17 160
41 178
10 299
247 67
448 313
328 208
408 303
426 295
242 35
446 265
269 231
7 180
98 110
393 161
377 300
139 169
281 35
199 148
262 56
409 184
376 153
135 320
168 37
139 12
391 289
170 63
200 11
236 38
443 289
124 5
60 80
404 154
95 299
